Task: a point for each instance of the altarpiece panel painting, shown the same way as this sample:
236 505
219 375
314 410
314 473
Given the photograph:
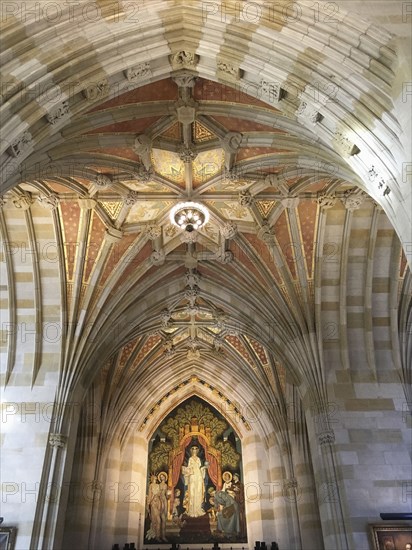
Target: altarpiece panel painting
195 483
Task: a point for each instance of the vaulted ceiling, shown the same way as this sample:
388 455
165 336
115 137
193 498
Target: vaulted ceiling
294 160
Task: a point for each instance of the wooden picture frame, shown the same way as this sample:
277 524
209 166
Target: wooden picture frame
391 536
7 538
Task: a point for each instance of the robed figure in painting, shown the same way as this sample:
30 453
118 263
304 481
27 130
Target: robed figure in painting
195 473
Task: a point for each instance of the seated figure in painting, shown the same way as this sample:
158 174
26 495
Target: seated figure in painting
227 514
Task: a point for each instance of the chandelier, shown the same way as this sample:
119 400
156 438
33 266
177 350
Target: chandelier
189 216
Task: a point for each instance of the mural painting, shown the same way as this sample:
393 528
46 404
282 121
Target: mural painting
195 490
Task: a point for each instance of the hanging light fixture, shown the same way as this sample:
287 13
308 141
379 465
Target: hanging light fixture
190 216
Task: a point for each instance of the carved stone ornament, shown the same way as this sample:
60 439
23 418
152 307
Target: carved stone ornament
142 146
158 257
186 111
246 199
97 90
225 256
153 231
372 174
193 354
3 202
187 154
59 112
20 145
271 91
231 142
191 294
309 112
229 70
192 310
165 316
184 60
23 201
101 181
168 347
57 440
185 79
186 237
266 234
352 199
326 201
138 72
344 145
51 202
131 198
326 438
229 230
290 484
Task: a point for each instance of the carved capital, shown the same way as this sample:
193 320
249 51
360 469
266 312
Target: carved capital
23 201
326 201
51 202
185 79
352 199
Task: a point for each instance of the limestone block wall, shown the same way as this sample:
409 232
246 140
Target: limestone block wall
31 339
